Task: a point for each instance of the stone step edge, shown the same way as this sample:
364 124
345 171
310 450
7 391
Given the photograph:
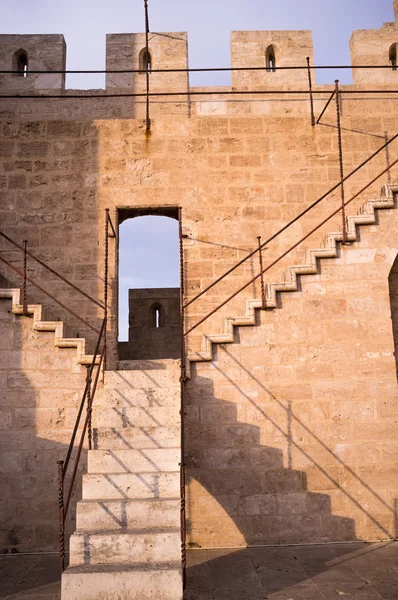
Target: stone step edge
124 568
128 500
126 532
366 216
36 311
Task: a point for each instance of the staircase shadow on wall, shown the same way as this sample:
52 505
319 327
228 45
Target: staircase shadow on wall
245 496
33 437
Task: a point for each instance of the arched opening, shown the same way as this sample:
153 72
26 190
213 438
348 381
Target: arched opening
270 61
145 60
393 56
149 277
20 63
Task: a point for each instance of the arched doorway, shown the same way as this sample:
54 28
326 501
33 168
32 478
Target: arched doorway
148 287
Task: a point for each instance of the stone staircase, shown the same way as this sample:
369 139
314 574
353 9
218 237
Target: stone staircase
330 249
40 324
128 543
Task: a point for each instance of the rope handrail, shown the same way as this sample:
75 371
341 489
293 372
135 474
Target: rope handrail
292 221
51 270
41 289
191 92
335 212
188 70
87 398
90 374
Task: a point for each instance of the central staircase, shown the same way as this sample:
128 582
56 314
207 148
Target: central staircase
128 543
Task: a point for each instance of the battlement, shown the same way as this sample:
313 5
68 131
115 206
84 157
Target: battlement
376 47
128 51
24 53
271 49
267 50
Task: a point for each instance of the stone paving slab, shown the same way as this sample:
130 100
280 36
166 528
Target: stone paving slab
354 571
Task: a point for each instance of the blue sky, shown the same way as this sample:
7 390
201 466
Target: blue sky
149 245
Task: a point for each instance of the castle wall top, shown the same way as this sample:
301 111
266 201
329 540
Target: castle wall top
26 53
270 49
377 47
267 50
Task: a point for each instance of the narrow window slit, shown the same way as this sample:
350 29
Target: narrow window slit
270 61
20 63
145 60
393 57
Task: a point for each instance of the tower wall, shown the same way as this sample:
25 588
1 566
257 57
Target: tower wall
44 53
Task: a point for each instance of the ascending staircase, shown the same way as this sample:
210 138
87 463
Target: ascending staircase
39 324
127 543
367 216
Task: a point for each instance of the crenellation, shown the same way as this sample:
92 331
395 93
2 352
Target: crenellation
39 53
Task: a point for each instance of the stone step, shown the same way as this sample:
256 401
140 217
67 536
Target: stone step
123 486
122 582
110 547
134 461
139 379
161 364
122 438
140 416
128 514
146 397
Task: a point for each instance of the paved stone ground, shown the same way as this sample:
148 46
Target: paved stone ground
337 571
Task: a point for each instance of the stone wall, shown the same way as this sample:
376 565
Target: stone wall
292 430
292 433
40 390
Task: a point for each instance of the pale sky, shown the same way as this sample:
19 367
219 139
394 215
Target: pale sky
209 23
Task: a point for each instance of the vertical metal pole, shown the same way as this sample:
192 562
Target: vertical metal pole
89 408
338 116
311 94
260 258
182 385
106 268
147 119
60 464
25 266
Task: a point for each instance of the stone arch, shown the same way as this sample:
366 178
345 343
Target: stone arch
270 60
20 62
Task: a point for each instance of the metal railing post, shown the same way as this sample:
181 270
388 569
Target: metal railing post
182 409
60 464
89 408
260 260
338 117
311 94
147 119
106 269
25 268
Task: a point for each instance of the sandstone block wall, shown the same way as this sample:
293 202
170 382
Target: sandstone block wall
305 403
292 429
40 391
